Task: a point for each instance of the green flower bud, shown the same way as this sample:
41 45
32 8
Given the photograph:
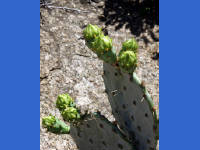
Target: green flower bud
91 32
128 61
102 44
130 45
55 125
48 121
63 101
70 113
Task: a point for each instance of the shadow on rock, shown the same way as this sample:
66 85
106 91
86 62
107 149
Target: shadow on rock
136 16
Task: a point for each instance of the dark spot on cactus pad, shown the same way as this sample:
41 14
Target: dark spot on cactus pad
139 128
126 124
114 130
88 125
114 122
104 72
91 141
124 87
148 141
116 74
101 125
122 127
120 146
104 143
124 106
154 127
131 78
106 91
117 64
132 135
78 134
146 115
116 111
137 142
132 117
144 96
134 103
143 84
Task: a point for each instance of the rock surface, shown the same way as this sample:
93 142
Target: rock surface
68 66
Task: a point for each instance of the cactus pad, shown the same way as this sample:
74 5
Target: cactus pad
132 107
95 132
55 125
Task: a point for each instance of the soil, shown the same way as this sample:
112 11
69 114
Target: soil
68 66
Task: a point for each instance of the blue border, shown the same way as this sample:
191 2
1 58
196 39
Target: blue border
19 77
179 75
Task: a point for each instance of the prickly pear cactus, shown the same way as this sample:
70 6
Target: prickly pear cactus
132 107
136 126
95 132
131 104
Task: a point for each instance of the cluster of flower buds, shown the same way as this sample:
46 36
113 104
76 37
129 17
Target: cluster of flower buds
103 47
128 55
100 44
68 111
67 107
